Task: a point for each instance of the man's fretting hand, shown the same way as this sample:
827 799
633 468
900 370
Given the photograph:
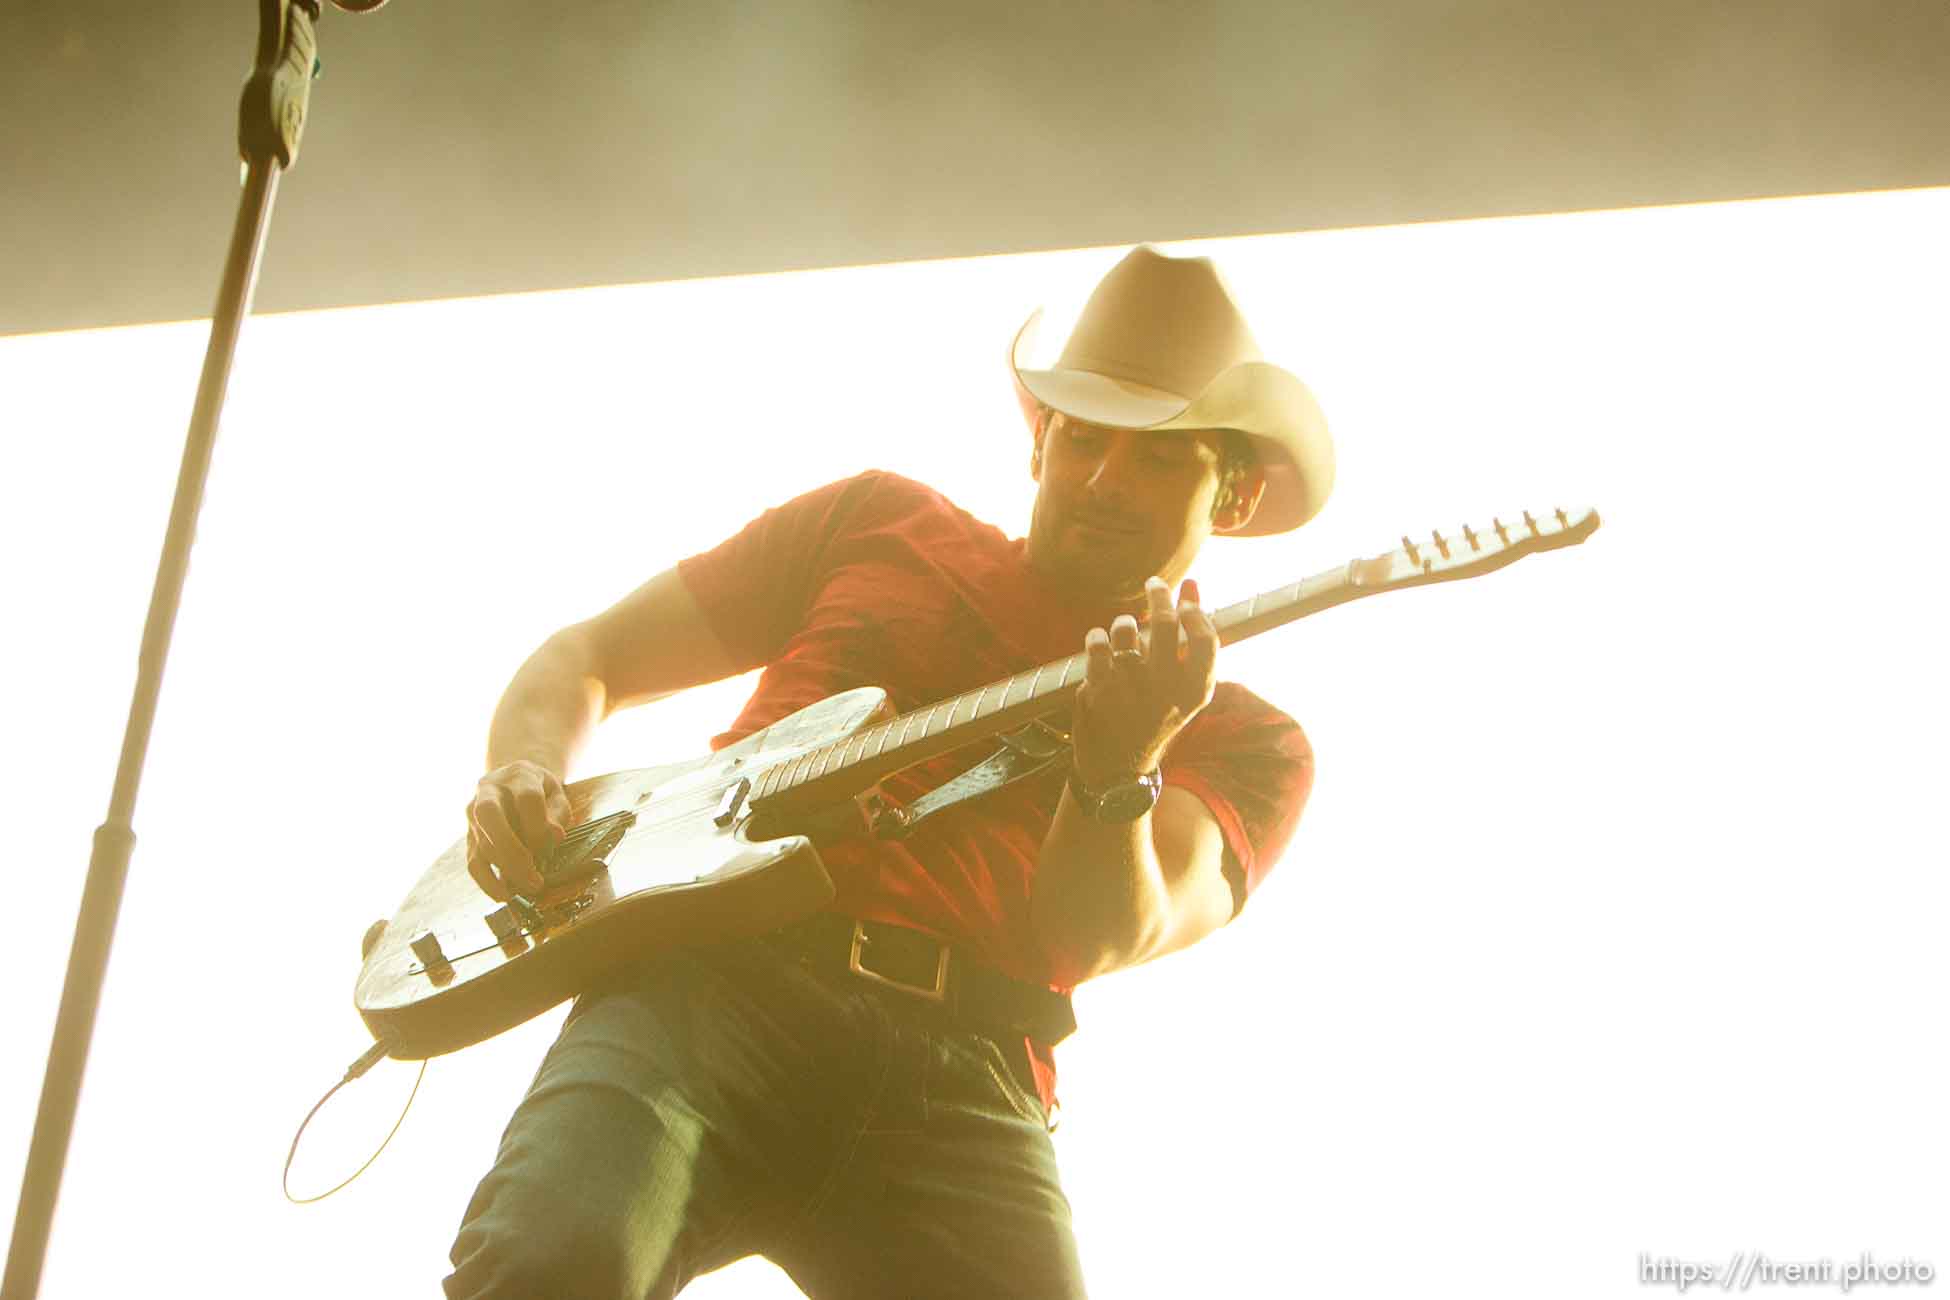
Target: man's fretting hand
1136 697
519 811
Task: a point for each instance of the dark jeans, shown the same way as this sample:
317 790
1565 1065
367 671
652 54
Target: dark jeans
729 1101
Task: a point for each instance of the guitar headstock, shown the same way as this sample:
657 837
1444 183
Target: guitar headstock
1440 556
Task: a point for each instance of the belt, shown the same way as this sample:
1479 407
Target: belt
932 972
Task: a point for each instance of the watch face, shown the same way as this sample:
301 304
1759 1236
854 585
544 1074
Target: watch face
1126 803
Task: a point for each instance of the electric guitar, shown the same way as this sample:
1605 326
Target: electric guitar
721 846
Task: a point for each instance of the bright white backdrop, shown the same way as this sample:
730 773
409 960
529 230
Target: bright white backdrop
1616 924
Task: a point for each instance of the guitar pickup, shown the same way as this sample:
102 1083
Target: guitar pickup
582 852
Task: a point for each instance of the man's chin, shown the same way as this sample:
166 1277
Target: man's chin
1086 573
1081 563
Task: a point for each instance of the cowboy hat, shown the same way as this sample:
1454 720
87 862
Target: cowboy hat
1161 345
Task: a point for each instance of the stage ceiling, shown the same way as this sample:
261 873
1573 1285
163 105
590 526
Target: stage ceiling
490 146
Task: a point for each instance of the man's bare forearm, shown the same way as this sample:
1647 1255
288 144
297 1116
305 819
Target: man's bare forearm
1108 896
554 701
1099 900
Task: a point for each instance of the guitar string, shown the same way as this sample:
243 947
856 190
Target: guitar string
685 806
682 808
1223 620
667 812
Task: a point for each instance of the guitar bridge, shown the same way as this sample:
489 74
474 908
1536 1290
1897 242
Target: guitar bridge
521 918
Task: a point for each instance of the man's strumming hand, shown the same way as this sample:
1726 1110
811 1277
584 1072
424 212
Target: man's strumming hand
519 812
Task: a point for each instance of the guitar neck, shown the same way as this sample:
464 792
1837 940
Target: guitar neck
857 761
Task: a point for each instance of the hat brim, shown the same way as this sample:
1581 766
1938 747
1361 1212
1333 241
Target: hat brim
1268 404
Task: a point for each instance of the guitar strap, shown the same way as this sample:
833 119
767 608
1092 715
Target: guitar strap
1024 753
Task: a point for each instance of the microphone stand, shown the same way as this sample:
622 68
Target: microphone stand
270 119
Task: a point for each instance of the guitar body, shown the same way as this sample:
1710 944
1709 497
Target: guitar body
657 871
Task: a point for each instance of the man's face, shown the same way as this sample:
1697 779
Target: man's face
1115 506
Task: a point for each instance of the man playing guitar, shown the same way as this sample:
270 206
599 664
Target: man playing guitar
862 1096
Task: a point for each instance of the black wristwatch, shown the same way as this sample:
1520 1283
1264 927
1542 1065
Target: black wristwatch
1123 801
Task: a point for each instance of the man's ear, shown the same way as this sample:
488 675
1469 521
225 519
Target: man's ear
1247 491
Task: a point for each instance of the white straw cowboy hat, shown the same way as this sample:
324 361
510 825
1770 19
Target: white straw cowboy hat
1161 345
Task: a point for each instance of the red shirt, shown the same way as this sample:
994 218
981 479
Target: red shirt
879 581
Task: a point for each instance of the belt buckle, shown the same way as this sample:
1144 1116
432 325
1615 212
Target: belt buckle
939 993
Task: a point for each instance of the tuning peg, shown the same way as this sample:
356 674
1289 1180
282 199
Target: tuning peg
1563 520
1414 556
1441 544
1534 530
1502 533
1470 533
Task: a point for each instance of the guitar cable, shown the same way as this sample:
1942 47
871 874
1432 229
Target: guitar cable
366 1061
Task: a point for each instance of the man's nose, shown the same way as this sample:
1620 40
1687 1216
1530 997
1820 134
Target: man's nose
1109 479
